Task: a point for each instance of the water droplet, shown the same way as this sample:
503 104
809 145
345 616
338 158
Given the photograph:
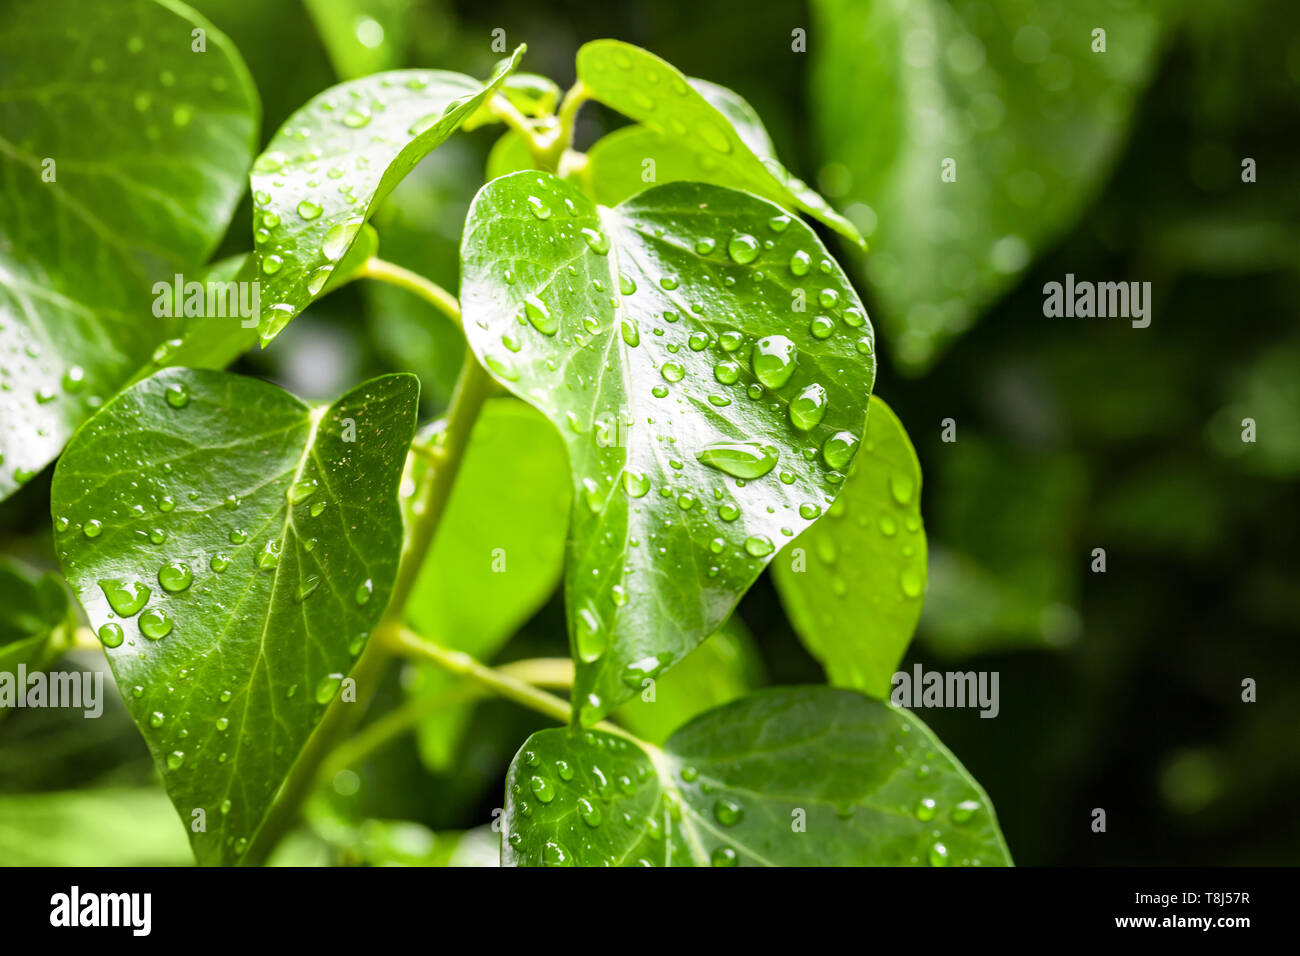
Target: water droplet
339 238
309 584
597 241
269 556
672 372
537 206
590 635
175 759
808 407
635 484
175 576
301 491
727 372
125 596
92 528
542 788
828 298
626 284
740 459
318 279
962 813
724 856
177 395
728 812
759 545
110 635
902 487
540 317
308 209
272 264
774 360
925 810
705 246
365 590
743 248
327 688
553 854
938 855
157 719
356 117
589 812
910 582
631 335
728 512
821 327
838 449
74 379
155 624
238 537
800 262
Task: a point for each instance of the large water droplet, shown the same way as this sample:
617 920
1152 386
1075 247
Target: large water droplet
155 623
774 360
743 248
739 458
808 407
175 576
125 596
838 449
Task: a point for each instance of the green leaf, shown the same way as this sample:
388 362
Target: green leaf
705 117
852 585
725 666
509 154
633 330
361 36
497 557
32 609
1014 95
618 167
807 776
332 163
100 827
122 155
233 547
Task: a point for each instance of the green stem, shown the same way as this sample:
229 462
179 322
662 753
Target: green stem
341 717
499 680
560 141
545 671
428 290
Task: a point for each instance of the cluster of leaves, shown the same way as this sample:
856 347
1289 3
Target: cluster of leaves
686 350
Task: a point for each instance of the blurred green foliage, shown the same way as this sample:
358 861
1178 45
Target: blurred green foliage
1119 690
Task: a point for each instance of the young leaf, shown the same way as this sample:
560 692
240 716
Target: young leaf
498 554
233 547
708 366
974 134
852 584
793 776
122 155
32 609
707 118
327 169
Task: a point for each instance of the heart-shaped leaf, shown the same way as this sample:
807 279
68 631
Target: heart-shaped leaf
233 547
806 776
33 608
708 365
852 583
970 135
707 118
122 155
332 163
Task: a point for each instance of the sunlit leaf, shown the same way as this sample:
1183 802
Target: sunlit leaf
708 366
330 165
705 117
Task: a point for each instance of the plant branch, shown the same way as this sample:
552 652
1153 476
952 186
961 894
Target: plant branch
383 271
